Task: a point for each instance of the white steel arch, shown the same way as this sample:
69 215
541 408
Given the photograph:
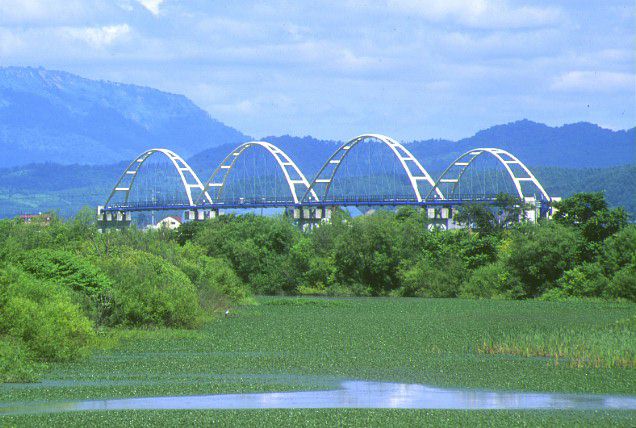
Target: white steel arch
189 179
219 177
414 172
504 157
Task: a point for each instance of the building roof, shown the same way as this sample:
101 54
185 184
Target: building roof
173 217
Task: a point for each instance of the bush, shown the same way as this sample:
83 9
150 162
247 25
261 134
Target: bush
365 255
586 280
64 268
492 280
623 284
91 286
430 278
42 315
148 290
16 361
539 254
619 250
217 280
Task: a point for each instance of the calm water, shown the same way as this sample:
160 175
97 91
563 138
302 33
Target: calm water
351 394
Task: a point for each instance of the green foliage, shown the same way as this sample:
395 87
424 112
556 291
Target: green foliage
216 278
43 316
623 283
64 268
257 248
492 281
585 280
16 361
433 278
476 216
610 346
538 254
365 255
619 250
589 212
147 290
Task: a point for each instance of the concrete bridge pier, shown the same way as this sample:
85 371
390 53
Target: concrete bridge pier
310 217
441 217
201 214
112 219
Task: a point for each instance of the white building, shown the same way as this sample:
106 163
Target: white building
171 222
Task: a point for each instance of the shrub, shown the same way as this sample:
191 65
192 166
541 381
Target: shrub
586 280
430 278
148 290
43 316
619 250
91 286
538 254
16 361
215 277
64 268
492 280
623 284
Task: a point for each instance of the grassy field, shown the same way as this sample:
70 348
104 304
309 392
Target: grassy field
288 344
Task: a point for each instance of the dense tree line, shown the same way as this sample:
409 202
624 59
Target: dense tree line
587 250
60 283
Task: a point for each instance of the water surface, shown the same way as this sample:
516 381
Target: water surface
351 394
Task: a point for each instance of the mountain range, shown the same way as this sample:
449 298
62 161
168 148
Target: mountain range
54 116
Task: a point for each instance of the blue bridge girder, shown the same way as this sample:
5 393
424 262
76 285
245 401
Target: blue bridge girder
340 202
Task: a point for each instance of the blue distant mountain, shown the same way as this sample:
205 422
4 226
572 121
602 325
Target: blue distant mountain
58 117
579 145
54 116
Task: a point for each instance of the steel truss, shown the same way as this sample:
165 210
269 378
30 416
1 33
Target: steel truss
412 167
504 157
218 179
189 179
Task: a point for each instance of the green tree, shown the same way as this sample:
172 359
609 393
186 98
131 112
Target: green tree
538 254
477 217
589 212
365 255
492 280
148 290
585 280
433 278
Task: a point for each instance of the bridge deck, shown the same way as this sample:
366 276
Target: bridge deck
341 202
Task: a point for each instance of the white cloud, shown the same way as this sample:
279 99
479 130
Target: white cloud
594 81
151 5
97 36
43 11
471 13
9 42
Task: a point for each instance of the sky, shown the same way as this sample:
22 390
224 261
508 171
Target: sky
412 69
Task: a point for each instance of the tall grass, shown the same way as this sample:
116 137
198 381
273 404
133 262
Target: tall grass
611 347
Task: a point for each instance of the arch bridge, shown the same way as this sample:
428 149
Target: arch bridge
315 200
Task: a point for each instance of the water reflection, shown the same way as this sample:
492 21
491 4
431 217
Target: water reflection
352 394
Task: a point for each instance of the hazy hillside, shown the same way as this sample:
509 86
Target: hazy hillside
54 116
577 145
